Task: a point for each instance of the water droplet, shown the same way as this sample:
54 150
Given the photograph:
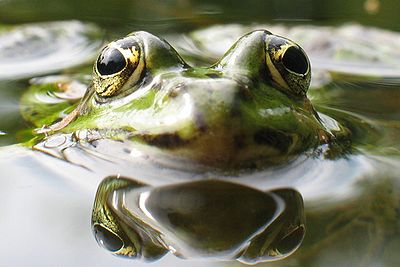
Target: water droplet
55 141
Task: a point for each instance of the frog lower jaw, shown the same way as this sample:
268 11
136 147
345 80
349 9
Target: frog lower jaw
224 148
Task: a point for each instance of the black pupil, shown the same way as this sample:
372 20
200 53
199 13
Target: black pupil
111 61
107 239
295 60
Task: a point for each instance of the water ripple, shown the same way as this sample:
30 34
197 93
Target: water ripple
32 49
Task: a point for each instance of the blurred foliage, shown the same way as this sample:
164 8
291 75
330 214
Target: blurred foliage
177 15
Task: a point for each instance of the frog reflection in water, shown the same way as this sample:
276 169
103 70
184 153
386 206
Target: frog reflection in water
200 219
248 110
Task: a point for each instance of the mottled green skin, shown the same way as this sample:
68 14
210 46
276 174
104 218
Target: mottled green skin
231 112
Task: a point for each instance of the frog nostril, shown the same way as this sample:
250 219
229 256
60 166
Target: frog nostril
295 60
111 61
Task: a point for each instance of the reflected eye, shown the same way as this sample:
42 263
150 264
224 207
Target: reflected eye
288 65
118 67
295 60
111 61
107 239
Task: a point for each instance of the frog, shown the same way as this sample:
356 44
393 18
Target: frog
248 109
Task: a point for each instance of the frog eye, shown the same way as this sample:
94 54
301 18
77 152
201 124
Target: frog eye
295 60
110 62
287 64
119 66
107 239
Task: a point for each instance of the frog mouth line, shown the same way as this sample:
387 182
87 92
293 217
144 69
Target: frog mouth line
167 140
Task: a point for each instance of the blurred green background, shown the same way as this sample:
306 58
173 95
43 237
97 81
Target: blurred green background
182 15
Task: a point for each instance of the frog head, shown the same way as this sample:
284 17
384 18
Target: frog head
251 105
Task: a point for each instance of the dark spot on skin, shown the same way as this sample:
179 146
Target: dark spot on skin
169 140
273 138
243 94
200 123
235 110
213 75
239 141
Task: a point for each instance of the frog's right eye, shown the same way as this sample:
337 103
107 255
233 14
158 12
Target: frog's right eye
110 62
119 66
107 239
287 64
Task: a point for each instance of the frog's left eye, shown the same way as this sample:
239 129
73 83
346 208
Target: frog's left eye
119 65
288 64
107 238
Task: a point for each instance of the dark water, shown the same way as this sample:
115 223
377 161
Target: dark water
351 203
